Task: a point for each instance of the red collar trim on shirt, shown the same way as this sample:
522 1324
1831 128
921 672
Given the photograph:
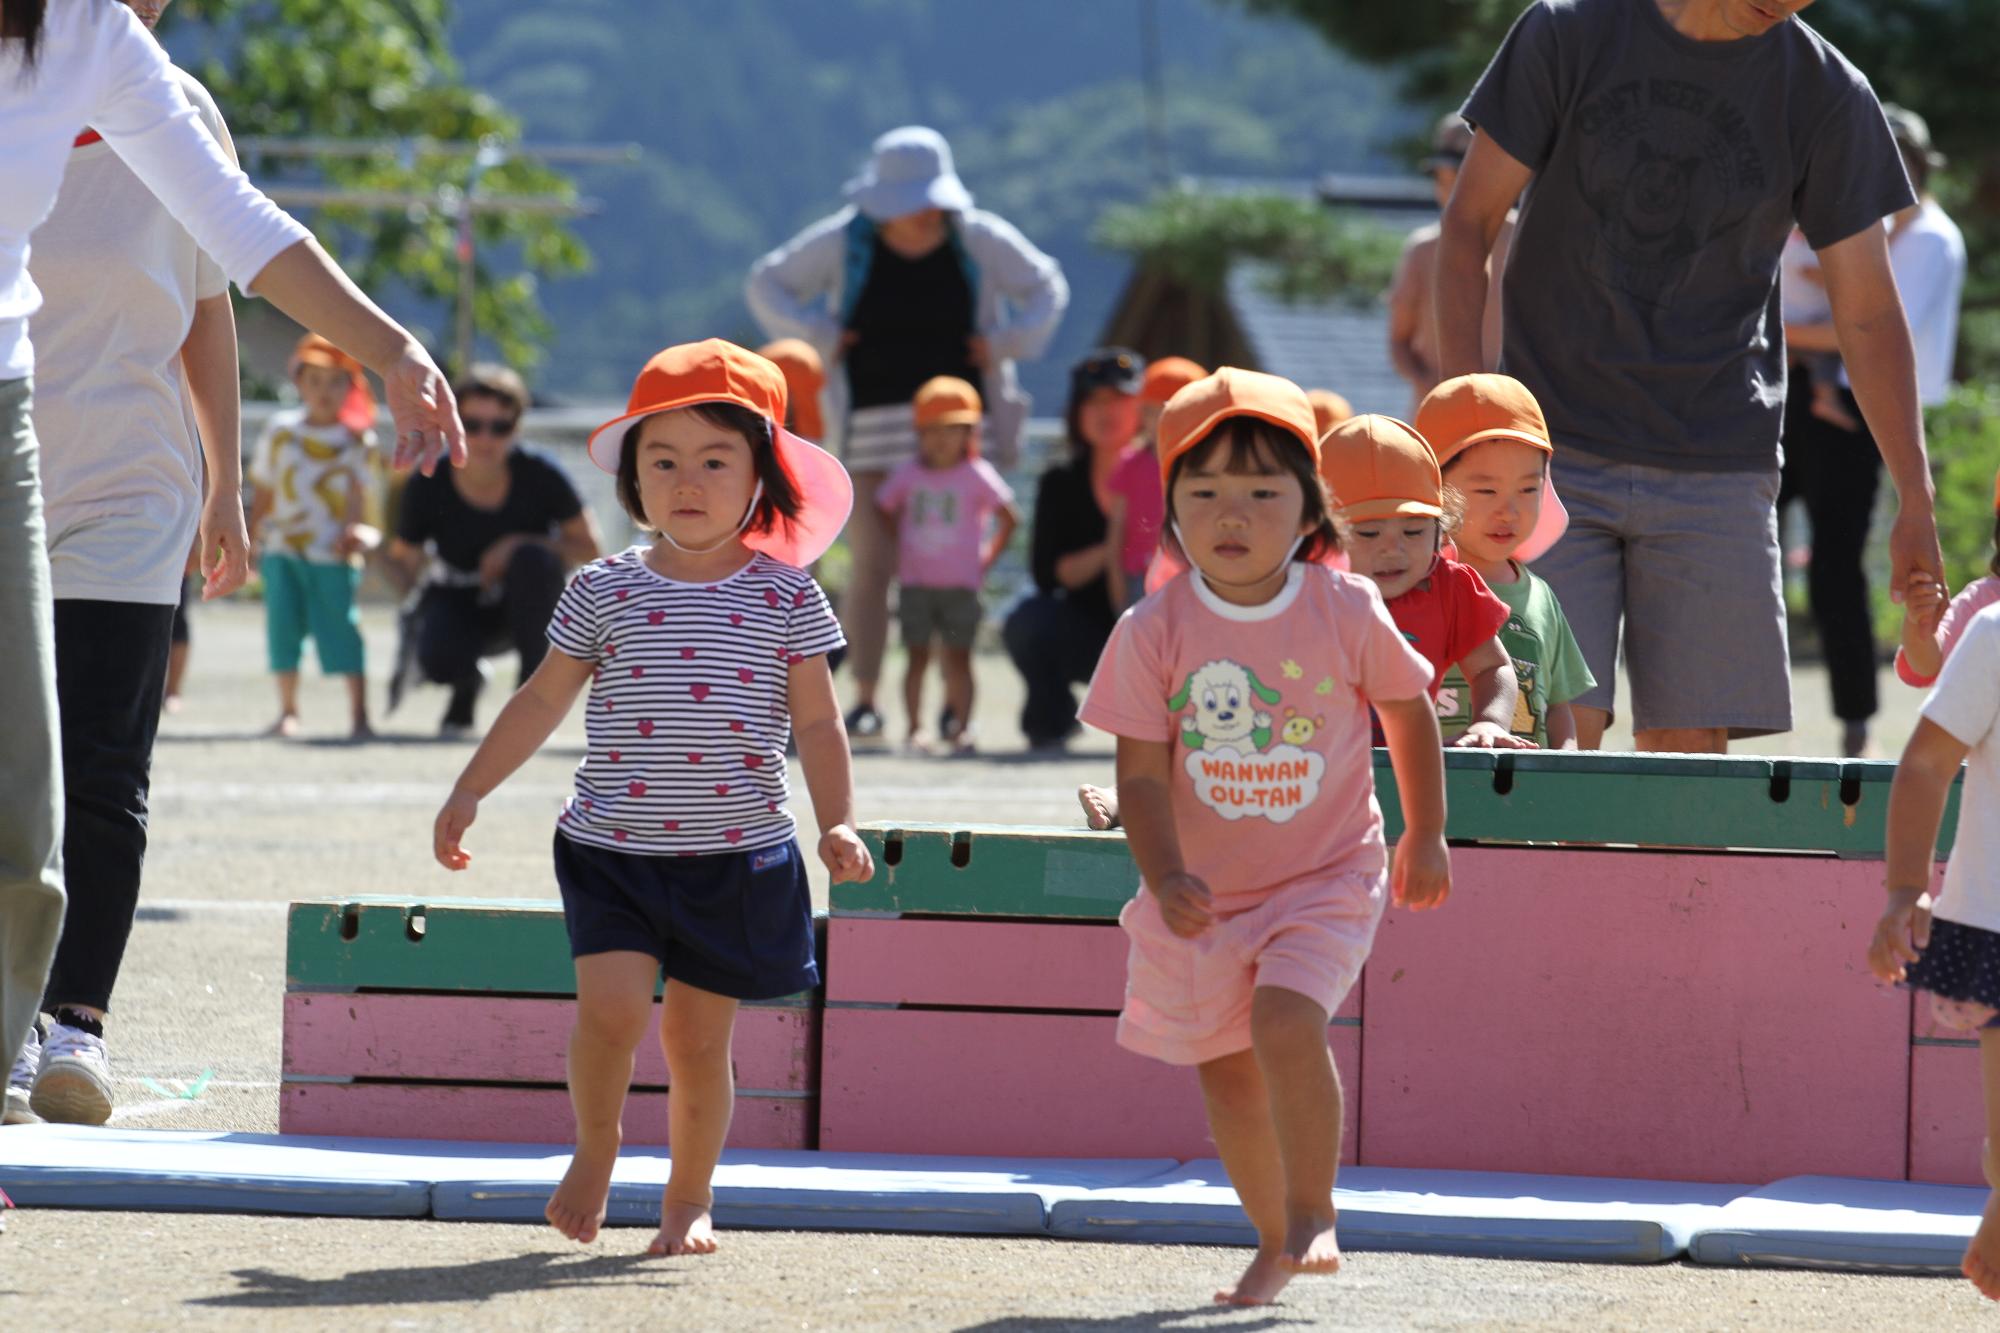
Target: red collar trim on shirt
87 138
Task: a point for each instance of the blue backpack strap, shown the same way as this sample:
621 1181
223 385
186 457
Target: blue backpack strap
860 254
966 263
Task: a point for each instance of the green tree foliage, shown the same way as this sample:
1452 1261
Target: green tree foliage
1314 253
382 69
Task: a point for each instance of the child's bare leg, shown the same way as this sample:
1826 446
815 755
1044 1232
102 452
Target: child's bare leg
288 705
913 688
695 1029
1307 1112
958 688
614 1003
1239 1116
1960 1015
1100 806
1982 1257
357 706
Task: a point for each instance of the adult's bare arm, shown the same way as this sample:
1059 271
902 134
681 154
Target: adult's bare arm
305 283
1489 184
208 363
1882 370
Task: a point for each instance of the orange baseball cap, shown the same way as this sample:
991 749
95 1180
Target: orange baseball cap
1167 377
1379 467
947 400
1329 409
1474 409
357 410
805 376
1197 408
715 371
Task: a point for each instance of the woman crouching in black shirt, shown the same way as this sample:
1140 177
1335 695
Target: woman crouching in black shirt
1056 636
492 542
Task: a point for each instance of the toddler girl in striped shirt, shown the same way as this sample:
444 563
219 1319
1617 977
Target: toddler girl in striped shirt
704 651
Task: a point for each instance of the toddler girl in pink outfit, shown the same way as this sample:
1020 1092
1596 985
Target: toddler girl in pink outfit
1240 696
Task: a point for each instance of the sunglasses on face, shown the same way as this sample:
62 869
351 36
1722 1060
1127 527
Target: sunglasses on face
500 427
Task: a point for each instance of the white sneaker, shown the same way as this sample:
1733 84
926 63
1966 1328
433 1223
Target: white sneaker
21 1081
74 1085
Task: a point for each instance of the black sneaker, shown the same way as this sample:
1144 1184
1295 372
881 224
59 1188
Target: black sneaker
864 723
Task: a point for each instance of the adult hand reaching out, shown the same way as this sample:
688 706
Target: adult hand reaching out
420 399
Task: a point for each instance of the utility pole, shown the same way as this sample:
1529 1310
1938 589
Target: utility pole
462 203
1150 80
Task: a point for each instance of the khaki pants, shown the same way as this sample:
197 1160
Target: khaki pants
31 886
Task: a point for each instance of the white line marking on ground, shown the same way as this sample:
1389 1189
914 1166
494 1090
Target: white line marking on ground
424 795
212 905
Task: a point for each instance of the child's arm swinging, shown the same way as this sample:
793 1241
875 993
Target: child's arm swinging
829 769
1005 520
1420 871
1145 775
527 721
1916 806
1489 673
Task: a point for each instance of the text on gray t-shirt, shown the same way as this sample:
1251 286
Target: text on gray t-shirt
1641 294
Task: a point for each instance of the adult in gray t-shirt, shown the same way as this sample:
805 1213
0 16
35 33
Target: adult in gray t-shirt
1666 148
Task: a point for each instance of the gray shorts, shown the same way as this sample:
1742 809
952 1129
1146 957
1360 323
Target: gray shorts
1687 563
949 614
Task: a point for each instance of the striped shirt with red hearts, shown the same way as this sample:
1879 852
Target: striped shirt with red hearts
688 717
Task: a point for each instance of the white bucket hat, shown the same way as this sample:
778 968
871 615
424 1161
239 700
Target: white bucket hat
908 171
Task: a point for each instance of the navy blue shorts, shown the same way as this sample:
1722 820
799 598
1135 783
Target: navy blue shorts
734 923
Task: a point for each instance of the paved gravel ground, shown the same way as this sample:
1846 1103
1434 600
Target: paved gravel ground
242 825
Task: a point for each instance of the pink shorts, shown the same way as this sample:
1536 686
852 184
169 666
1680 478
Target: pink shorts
1188 1001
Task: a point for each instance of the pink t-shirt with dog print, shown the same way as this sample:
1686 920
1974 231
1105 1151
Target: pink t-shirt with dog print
1267 710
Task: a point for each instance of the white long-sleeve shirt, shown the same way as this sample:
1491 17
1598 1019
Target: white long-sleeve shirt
98 67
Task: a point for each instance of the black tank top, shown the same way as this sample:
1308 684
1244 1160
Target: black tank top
912 319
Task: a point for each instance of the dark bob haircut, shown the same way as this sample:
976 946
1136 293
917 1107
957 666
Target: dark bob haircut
1257 447
778 504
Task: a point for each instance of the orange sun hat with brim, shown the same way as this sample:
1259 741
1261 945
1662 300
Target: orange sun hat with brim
1329 409
1199 408
1168 376
357 410
715 371
946 400
805 376
1476 409
1379 467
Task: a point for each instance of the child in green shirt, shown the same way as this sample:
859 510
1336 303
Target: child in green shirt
1493 446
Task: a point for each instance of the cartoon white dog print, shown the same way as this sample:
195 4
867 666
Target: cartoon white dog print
1224 696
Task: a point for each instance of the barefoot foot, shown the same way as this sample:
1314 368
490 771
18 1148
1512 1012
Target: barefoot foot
1261 1281
1982 1257
577 1207
1100 806
685 1228
1310 1246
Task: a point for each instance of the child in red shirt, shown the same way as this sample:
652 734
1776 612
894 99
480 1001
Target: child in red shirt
1390 496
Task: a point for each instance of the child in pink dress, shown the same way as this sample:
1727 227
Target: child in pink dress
1240 696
